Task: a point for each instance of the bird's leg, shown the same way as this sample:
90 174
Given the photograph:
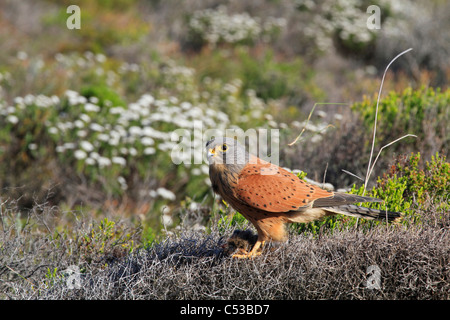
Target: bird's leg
253 253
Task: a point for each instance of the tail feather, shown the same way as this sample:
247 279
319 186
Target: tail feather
366 213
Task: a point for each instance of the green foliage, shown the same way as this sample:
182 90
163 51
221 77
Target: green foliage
425 184
272 79
105 237
52 277
105 95
227 220
265 74
423 112
103 23
392 193
149 237
407 188
410 184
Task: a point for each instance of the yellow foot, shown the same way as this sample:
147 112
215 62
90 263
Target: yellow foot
247 255
253 253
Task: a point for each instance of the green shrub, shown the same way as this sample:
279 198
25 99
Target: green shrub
419 193
105 237
269 77
103 24
413 188
272 79
228 220
423 112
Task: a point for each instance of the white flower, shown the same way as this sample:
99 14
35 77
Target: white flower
173 100
85 117
55 99
94 155
104 162
132 151
103 137
87 146
134 107
89 107
43 101
114 141
10 109
18 100
116 110
144 112
93 100
69 145
81 100
89 161
53 130
71 94
123 183
100 57
321 113
204 168
167 220
146 100
96 127
166 194
12 119
119 160
79 124
21 55
185 105
135 131
148 151
166 146
67 125
147 141
80 154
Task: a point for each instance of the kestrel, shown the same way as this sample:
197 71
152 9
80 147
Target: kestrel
270 196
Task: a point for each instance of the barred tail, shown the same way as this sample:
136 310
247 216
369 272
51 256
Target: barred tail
366 213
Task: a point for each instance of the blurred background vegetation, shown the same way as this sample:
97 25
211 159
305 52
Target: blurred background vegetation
86 115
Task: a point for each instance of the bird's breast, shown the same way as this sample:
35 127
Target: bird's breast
223 180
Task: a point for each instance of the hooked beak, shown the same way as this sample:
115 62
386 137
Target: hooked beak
211 153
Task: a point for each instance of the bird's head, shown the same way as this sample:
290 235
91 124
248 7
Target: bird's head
227 151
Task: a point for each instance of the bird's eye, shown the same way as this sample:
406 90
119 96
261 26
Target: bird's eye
224 147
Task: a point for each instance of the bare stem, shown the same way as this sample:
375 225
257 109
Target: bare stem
376 118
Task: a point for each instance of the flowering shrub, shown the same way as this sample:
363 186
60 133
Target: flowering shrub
216 26
343 23
116 146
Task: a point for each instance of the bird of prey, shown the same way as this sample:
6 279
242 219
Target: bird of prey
270 196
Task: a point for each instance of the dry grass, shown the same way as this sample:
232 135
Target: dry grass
413 260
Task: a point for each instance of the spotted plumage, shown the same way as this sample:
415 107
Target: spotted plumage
270 196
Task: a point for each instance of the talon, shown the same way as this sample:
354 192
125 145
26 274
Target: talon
253 253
